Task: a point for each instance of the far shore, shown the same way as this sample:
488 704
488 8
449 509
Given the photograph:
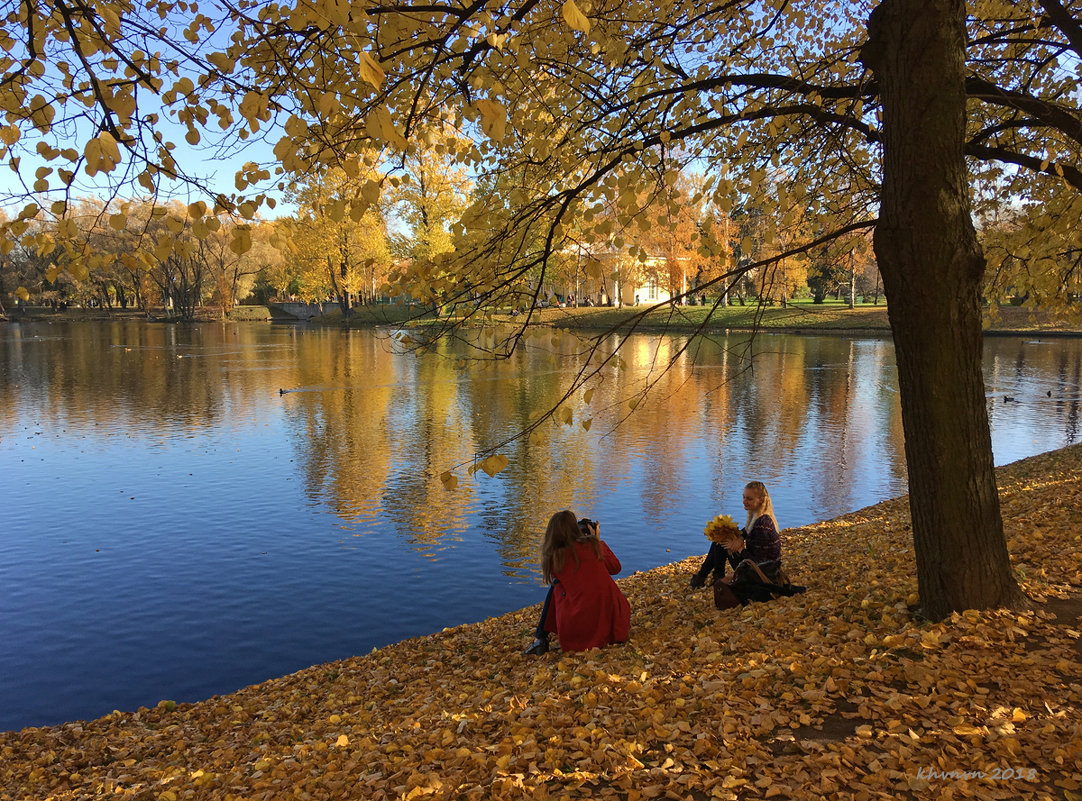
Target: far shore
804 316
840 692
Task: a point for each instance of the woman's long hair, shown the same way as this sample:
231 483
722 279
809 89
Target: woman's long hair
560 537
766 506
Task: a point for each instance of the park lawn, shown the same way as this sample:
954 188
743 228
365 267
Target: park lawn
797 316
793 317
840 692
800 316
380 314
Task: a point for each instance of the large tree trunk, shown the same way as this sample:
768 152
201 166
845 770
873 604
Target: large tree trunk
932 266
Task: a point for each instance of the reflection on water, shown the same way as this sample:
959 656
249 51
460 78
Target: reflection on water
191 509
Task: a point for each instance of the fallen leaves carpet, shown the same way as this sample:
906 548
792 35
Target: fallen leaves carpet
841 692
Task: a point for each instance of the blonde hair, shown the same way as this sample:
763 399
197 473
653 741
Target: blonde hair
562 533
766 506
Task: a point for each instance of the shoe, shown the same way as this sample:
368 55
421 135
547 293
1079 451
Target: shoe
540 646
698 580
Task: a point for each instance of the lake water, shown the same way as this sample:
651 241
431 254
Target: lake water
188 510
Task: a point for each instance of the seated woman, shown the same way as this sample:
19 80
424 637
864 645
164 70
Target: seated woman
583 607
759 540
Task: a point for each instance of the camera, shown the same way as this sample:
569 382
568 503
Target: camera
588 526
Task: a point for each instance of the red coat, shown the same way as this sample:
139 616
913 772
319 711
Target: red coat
588 610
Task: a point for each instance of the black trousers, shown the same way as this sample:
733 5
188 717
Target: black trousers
540 633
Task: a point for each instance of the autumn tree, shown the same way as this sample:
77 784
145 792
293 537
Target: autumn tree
337 238
675 219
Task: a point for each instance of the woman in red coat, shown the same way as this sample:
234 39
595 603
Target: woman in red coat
584 607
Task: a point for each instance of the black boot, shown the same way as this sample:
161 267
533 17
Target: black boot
697 581
540 646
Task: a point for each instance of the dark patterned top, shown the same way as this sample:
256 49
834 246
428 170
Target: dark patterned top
761 545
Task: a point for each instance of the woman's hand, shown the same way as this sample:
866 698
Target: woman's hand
734 545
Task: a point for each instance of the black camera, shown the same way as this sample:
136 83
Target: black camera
588 526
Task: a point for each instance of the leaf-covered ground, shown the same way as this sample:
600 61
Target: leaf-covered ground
837 693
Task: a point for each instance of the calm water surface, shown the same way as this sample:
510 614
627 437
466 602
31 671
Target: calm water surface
188 510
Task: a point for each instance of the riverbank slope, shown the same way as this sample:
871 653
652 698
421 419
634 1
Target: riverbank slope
796 317
799 317
839 692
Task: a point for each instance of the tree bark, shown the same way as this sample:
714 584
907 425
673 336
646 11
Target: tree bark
852 281
932 267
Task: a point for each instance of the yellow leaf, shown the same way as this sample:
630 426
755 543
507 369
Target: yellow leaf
493 119
41 113
67 228
22 294
381 126
633 403
587 423
242 240
449 479
494 464
565 415
370 191
223 63
342 741
370 70
966 730
118 221
574 18
588 396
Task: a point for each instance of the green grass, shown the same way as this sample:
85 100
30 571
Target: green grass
381 314
803 315
249 313
793 317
